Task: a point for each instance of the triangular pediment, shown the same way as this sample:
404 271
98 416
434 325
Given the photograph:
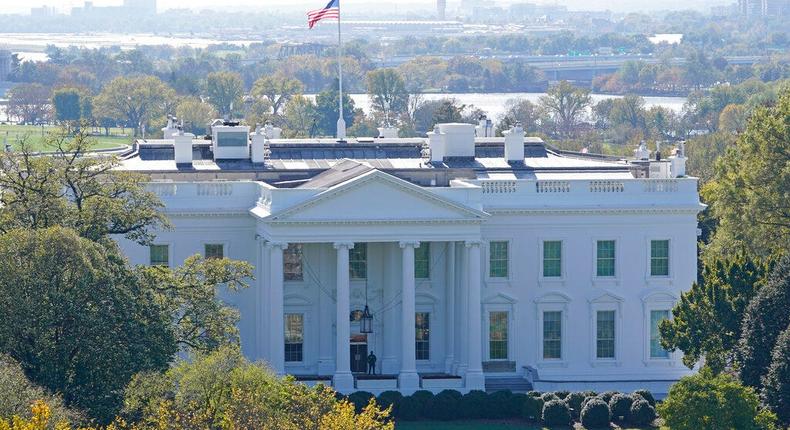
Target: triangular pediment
378 196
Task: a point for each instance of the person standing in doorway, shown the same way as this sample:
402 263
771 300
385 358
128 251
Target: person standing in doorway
371 363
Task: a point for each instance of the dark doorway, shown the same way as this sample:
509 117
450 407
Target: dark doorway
359 354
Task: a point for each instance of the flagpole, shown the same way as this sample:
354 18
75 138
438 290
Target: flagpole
341 123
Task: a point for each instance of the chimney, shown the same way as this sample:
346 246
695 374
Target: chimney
436 144
272 132
641 152
459 140
677 162
182 145
388 132
259 140
485 127
170 129
514 144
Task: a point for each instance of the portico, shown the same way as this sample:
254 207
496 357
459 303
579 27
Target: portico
392 219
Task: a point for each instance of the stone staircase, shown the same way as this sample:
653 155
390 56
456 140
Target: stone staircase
516 384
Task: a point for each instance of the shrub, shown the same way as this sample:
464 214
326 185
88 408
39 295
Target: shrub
517 404
423 397
445 405
500 405
641 413
588 398
547 397
474 404
574 402
390 398
409 409
607 395
532 408
647 395
556 413
595 414
561 394
620 405
715 402
360 399
776 383
534 393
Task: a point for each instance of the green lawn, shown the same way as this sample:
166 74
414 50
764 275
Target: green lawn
36 136
478 425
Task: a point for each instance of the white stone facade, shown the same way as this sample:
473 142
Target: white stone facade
556 276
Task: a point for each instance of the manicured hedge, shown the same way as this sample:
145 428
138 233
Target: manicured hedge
360 399
620 405
556 413
574 401
390 398
645 394
641 413
444 406
533 408
596 414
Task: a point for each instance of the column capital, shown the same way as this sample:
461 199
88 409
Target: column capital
276 244
347 245
411 243
471 243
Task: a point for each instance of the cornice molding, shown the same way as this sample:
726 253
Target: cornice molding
579 211
371 222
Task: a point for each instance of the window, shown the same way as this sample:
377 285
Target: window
659 258
422 322
422 261
656 350
497 335
552 335
358 261
294 337
497 259
159 255
214 250
552 258
605 258
604 334
292 262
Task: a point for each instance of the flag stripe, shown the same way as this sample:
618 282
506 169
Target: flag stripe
330 11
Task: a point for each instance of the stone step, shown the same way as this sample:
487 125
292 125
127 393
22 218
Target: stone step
514 384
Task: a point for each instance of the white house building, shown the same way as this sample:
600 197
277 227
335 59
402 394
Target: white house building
483 261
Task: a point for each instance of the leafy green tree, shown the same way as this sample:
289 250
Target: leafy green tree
326 106
29 103
629 111
387 91
708 401
518 111
223 390
776 382
751 186
448 110
66 102
277 89
706 322
134 101
697 70
703 151
566 104
225 91
196 115
84 193
766 317
76 319
300 117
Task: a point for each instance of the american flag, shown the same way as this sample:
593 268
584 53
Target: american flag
331 10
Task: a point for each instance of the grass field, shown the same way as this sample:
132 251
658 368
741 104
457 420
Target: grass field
36 136
479 425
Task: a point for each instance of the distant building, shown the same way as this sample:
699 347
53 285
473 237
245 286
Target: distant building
5 64
129 8
441 8
42 12
763 8
140 7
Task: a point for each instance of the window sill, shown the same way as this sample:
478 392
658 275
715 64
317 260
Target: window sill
551 281
552 364
498 282
605 363
606 281
659 280
659 362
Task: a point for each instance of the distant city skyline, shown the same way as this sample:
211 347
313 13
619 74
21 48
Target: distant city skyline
6 6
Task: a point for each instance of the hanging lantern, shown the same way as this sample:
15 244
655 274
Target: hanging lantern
366 321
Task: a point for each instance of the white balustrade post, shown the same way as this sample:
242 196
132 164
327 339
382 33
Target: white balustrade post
343 380
276 313
474 379
408 380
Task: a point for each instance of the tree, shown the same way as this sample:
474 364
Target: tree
278 89
767 316
196 115
300 117
66 102
751 186
697 70
202 321
327 110
223 390
68 189
135 101
732 118
224 91
387 92
708 401
566 104
707 320
518 111
75 318
776 382
629 111
29 103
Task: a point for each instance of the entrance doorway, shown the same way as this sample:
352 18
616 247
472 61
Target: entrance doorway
359 353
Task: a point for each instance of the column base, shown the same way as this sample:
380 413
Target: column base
408 382
343 382
475 380
460 369
448 365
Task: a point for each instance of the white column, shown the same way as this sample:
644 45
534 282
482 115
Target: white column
449 302
343 380
408 380
261 299
475 380
276 312
391 313
461 309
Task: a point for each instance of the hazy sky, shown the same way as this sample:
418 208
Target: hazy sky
16 6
